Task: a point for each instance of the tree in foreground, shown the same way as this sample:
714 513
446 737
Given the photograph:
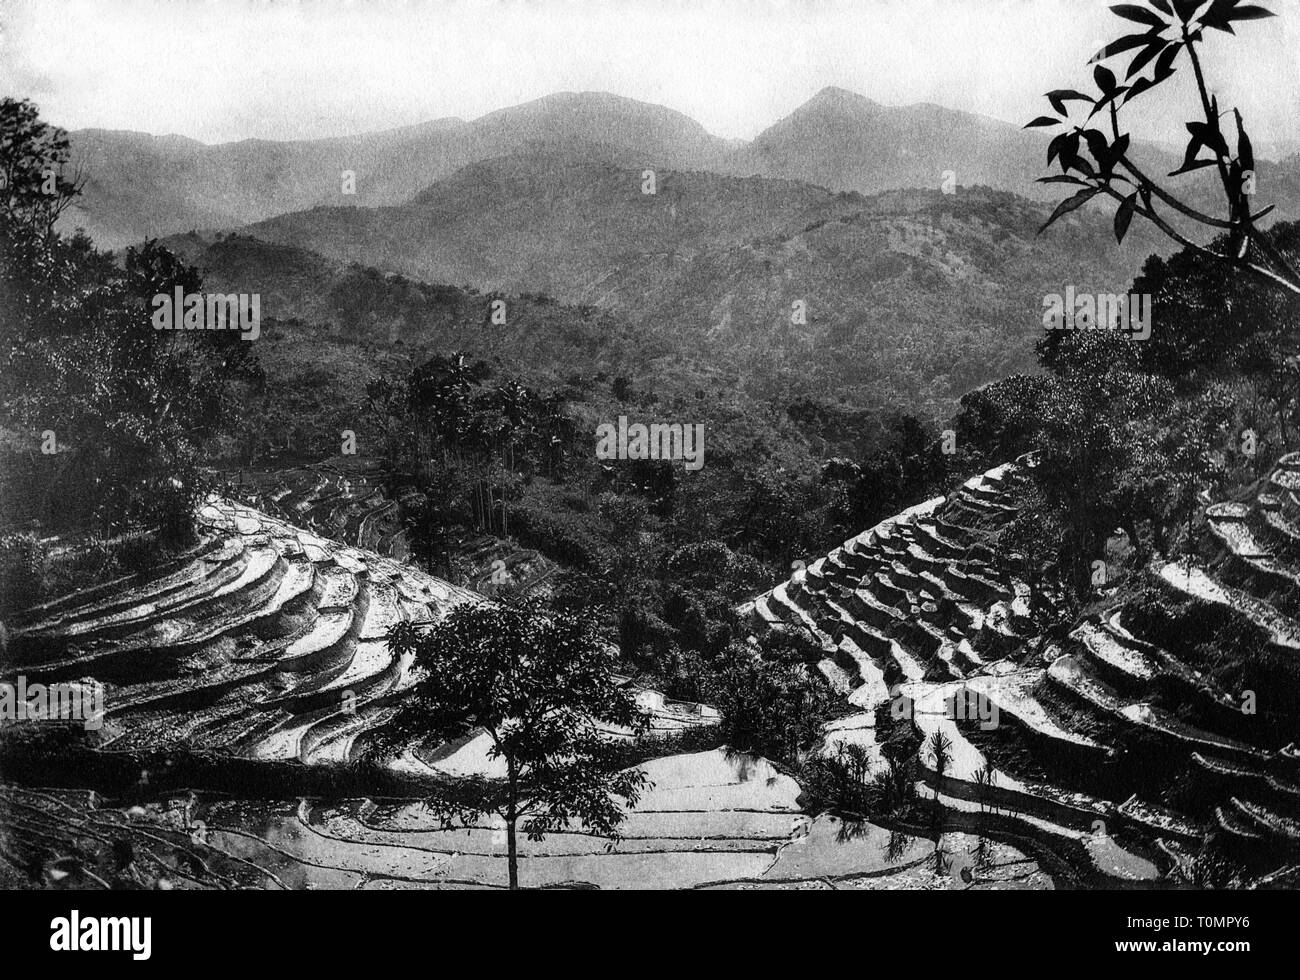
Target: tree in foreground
542 685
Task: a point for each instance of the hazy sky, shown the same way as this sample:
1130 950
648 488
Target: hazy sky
228 69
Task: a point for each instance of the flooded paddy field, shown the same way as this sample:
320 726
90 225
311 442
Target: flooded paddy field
713 820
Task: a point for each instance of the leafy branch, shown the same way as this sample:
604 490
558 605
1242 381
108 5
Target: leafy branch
1099 162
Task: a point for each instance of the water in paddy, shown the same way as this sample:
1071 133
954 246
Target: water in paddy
713 819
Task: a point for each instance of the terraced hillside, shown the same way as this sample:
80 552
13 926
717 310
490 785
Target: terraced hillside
347 499
1118 749
265 645
264 641
1108 755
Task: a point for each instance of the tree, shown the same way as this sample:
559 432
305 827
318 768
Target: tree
909 466
34 186
772 707
428 526
488 438
776 516
1001 419
1100 164
1192 453
385 408
1034 541
541 684
79 355
1093 426
1078 454
1211 318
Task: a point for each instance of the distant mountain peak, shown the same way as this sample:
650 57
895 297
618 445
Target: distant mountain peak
591 97
836 92
591 102
834 97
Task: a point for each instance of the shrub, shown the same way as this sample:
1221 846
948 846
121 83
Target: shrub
841 781
562 537
773 709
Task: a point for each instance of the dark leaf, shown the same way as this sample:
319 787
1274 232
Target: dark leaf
1042 121
1107 100
1238 203
1165 63
1141 15
1060 179
1124 216
1140 86
1070 204
1054 148
1145 56
1098 146
1164 70
1217 15
1064 149
1061 96
1209 135
1186 8
1119 47
1105 79
1251 12
1189 158
1070 152
1163 7
1189 166
1245 151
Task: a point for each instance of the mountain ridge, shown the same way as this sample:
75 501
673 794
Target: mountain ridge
141 186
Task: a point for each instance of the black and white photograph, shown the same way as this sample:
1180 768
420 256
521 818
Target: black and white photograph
646 445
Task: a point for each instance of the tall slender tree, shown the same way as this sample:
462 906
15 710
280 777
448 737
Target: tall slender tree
542 685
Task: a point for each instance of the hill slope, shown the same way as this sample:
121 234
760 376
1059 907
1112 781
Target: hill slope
902 291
